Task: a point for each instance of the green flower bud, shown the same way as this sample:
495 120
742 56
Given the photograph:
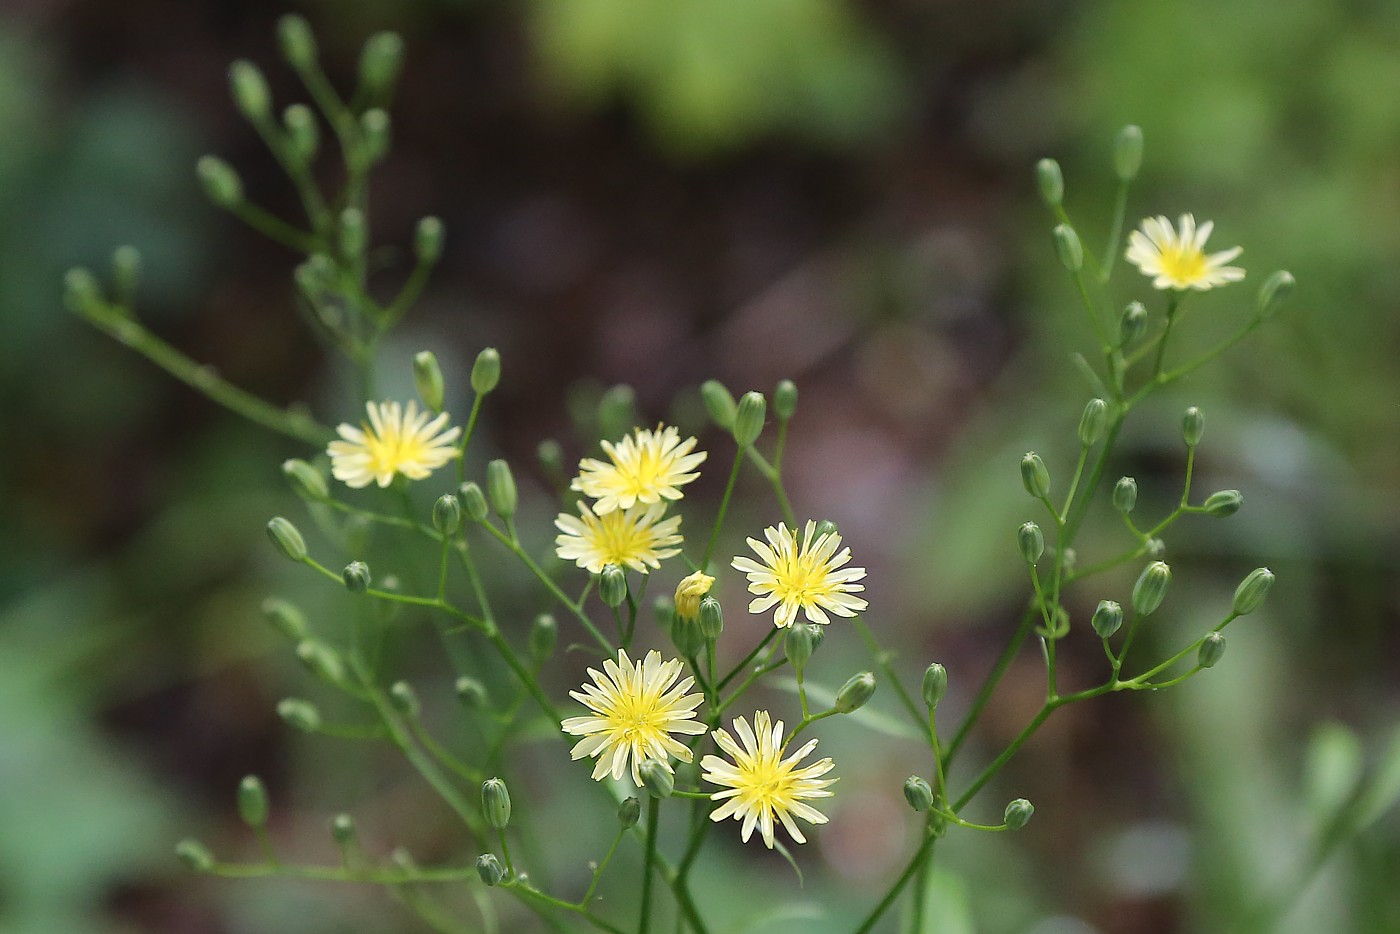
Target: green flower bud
1107 618
1151 588
1018 814
380 62
474 502
287 539
220 180
1051 181
447 514
126 271
1131 324
663 608
374 128
1093 422
544 634
551 457
785 399
405 699
1212 648
495 803
303 132
687 637
855 692
1125 493
356 576
343 830
1034 477
321 660
1274 292
285 618
302 714
935 685
489 868
80 290
748 419
194 855
500 488
427 378
799 644
612 585
427 240
918 793
617 411
629 812
1250 594
719 403
657 778
486 371
297 41
250 91
1223 503
1068 248
1193 425
306 481
711 620
470 692
354 234
824 527
1127 153
252 802
1031 542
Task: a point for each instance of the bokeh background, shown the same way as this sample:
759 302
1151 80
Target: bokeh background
655 194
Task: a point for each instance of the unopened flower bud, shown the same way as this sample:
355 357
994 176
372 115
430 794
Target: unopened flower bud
321 660
918 793
220 180
689 592
486 371
1156 548
687 637
551 458
297 41
1212 648
544 634
657 778
380 62
287 539
126 271
194 855
374 129
470 692
1051 181
356 576
617 411
1151 588
500 488
474 502
302 714
1127 153
427 240
80 290
1125 494
711 618
785 399
1068 248
612 585
302 132
306 481
354 233
1250 594
629 812
447 514
824 527
1093 422
343 830
252 802
250 91
855 692
799 644
1131 324
489 868
495 803
719 403
1031 542
748 419
1274 292
1107 618
405 699
935 685
1193 425
427 378
1223 503
663 610
1018 814
1034 476
285 617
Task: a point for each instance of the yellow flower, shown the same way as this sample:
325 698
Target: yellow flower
395 440
1177 260
808 577
646 467
635 709
761 784
689 593
631 537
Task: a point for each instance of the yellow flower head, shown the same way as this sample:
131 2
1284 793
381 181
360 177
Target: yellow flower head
635 707
761 785
645 467
1177 260
689 593
809 576
395 440
632 537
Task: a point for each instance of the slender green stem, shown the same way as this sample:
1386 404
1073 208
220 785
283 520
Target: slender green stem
915 862
527 892
989 685
883 662
602 867
505 852
443 755
1001 760
466 438
809 720
748 659
653 814
1173 305
723 508
341 873
1115 230
515 548
274 228
408 295
774 475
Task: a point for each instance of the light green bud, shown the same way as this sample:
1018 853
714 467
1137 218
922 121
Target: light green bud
486 371
855 692
489 868
302 131
612 586
1223 503
405 699
302 714
935 685
470 692
1193 425
427 378
297 41
252 802
711 619
687 637
306 481
374 127
321 660
380 62
1250 594
1212 648
354 234
1031 541
220 180
1018 814
1051 181
748 419
126 271
356 576
343 829
1107 618
447 514
287 539
80 290
500 488
663 608
427 240
629 812
1127 153
250 90
1034 476
551 457
785 399
474 502
285 618
495 803
1274 292
657 778
1132 324
824 527
799 644
617 411
719 403
1125 494
1151 588
544 635
1068 248
918 793
195 856
1093 422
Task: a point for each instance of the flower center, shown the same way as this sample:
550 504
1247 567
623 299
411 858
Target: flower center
1183 264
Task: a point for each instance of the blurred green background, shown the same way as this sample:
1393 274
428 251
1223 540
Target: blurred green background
657 193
